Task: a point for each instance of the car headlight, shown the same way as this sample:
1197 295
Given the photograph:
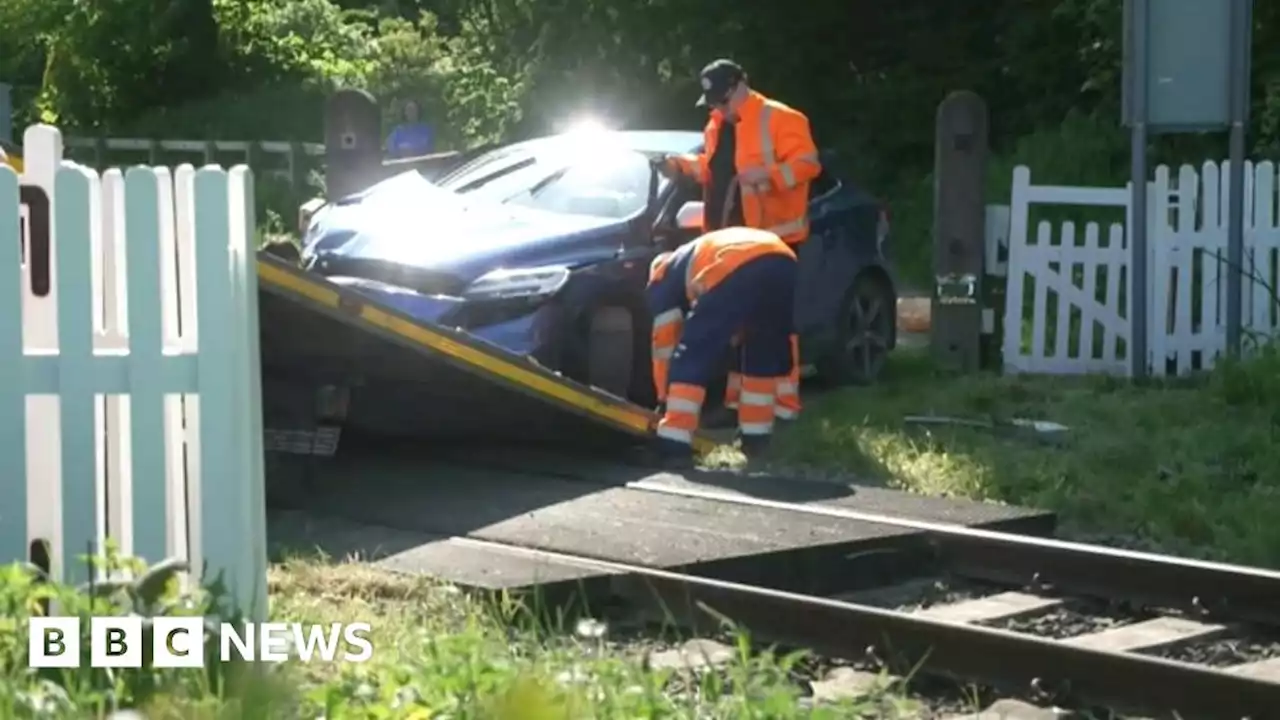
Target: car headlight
531 283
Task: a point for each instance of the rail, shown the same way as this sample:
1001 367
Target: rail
959 640
1073 624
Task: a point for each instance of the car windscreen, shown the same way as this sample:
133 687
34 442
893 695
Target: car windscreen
605 183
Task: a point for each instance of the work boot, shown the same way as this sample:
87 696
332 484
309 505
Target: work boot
755 447
662 454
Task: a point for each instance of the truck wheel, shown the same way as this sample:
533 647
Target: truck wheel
610 350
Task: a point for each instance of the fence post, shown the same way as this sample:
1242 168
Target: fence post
6 112
42 155
297 157
13 441
232 510
74 191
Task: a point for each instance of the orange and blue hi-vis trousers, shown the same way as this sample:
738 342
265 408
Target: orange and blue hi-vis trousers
730 281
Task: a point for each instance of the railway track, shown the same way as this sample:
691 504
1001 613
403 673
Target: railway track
991 638
1069 624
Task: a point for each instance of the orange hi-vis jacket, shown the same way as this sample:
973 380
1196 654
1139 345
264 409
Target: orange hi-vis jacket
776 137
677 279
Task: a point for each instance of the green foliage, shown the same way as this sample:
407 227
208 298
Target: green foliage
869 75
131 589
437 653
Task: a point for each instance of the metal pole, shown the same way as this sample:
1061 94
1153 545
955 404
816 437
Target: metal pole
1138 202
1238 88
6 112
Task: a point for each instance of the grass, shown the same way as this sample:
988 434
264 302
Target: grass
1190 466
438 654
1187 466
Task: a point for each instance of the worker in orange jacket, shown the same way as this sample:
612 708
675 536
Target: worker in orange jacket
734 280
768 148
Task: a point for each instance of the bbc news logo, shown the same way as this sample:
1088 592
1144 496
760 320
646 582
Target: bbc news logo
179 642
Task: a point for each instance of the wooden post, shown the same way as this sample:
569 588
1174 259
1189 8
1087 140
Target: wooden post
297 156
253 153
6 112
958 232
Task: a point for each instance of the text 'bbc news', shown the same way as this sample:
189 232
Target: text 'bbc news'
180 642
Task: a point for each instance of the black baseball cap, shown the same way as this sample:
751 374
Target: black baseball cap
718 78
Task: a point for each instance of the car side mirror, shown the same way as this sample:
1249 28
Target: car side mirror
690 216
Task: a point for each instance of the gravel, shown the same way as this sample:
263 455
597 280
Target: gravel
1070 620
920 594
700 658
1224 652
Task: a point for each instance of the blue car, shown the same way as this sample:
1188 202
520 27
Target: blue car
543 248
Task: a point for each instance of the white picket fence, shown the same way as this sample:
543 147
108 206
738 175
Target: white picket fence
132 404
1067 303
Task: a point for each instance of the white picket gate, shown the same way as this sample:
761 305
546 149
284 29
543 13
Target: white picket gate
1067 302
130 400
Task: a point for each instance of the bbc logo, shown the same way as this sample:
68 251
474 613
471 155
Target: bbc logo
116 642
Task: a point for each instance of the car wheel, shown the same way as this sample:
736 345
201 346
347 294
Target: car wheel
865 332
610 350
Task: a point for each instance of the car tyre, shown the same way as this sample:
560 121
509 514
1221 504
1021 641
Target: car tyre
864 334
611 350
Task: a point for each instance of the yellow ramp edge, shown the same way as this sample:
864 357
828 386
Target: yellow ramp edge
460 348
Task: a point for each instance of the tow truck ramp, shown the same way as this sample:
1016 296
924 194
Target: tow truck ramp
334 358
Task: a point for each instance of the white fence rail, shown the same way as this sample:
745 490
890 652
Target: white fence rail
289 161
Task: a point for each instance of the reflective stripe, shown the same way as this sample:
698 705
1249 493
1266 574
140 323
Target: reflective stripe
785 169
663 353
689 289
786 387
786 413
731 404
788 168
668 317
756 428
670 433
766 140
788 176
789 228
755 398
686 406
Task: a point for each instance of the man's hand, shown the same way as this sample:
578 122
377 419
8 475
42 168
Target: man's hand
666 166
754 177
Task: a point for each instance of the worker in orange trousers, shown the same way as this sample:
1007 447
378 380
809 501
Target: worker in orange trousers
730 281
